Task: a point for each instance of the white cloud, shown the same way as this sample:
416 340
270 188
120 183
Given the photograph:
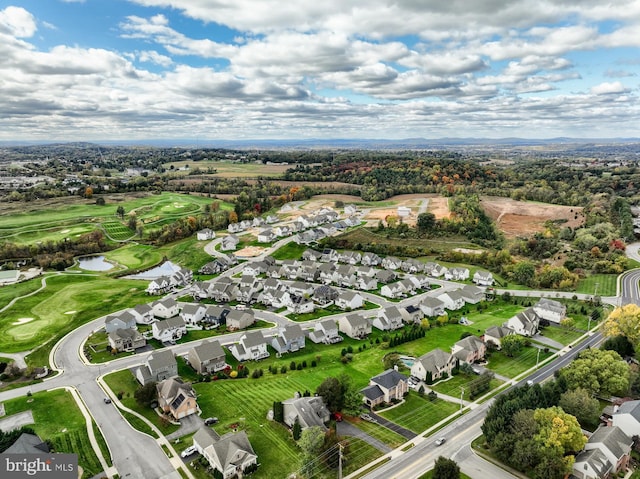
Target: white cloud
607 88
18 22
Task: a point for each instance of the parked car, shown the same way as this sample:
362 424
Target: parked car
107 401
210 420
337 417
188 451
440 441
367 417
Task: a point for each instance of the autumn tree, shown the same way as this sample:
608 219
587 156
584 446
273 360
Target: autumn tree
558 431
599 372
624 321
233 217
88 192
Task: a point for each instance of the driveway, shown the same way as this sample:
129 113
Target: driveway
345 428
393 426
16 421
188 425
548 342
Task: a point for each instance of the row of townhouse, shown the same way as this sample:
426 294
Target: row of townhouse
219 264
317 233
256 222
165 284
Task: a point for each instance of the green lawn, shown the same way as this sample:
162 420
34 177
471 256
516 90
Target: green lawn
383 434
418 413
122 383
451 387
562 335
606 284
58 419
67 302
289 251
135 256
511 367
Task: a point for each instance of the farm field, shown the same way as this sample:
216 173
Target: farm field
229 169
58 419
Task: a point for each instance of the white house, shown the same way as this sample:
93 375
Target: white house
525 323
355 326
349 300
551 310
192 313
251 347
457 274
170 329
388 319
627 418
266 236
165 308
453 300
205 234
326 332
289 339
494 335
432 307
483 278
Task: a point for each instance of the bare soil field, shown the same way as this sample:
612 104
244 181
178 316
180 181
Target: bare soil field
249 251
515 218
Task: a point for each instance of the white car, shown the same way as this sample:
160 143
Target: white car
188 451
440 441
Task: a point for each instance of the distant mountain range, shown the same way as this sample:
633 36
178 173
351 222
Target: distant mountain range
408 143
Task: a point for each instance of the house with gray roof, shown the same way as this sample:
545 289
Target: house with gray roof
231 455
347 300
177 398
483 278
614 444
386 276
472 294
143 313
551 310
326 332
435 364
627 418
229 243
453 300
432 307
122 320
525 323
289 339
170 329
434 269
388 319
324 295
592 464
192 313
387 387
240 319
126 340
251 347
165 308
160 365
28 444
391 262
311 254
370 259
307 411
469 350
355 326
494 335
205 234
457 274
207 358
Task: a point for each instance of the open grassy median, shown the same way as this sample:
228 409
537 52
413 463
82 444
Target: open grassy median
59 420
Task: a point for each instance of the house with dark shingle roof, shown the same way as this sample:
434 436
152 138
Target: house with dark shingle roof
251 347
494 335
326 332
207 358
126 340
627 418
469 350
27 444
614 444
355 326
386 387
436 362
177 398
525 323
160 365
592 464
308 411
289 339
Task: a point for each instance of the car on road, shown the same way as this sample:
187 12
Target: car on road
210 420
107 401
529 382
440 441
188 451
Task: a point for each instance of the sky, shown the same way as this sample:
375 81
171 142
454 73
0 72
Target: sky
90 70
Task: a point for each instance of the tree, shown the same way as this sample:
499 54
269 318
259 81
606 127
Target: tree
598 371
120 211
297 430
579 403
331 391
619 344
88 192
147 394
558 430
233 217
425 222
311 441
446 468
524 272
100 201
624 321
512 344
132 223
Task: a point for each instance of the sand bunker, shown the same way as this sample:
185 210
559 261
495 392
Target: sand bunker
70 312
22 321
65 231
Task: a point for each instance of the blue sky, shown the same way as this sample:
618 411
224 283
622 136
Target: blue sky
237 69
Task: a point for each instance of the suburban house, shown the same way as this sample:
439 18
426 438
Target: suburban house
386 276
126 340
123 320
300 305
412 265
307 411
240 319
355 326
385 387
300 288
229 243
469 350
159 285
252 347
453 300
325 272
177 398
393 290
218 265
344 275
551 310
325 295
143 313
472 294
165 308
432 307
207 358
214 316
412 314
205 234
457 274
349 300
289 339
434 269
160 365
231 455
483 278
326 332
366 283
311 255
627 418
525 323
494 335
391 262
591 464
433 365
266 236
170 329
28 444
614 444
193 313
370 259
388 319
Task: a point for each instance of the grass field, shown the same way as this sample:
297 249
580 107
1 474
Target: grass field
231 169
383 434
135 256
606 284
289 251
451 387
58 419
511 367
57 219
418 413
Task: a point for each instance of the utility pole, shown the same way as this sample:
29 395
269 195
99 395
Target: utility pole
340 461
461 398
538 358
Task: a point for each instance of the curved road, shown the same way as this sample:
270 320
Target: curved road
138 455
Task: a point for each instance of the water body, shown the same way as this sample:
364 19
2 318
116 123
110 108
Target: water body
165 269
94 263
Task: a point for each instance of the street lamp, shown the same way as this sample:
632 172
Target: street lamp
537 358
461 398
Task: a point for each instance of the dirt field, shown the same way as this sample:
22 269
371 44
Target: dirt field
516 218
419 203
249 251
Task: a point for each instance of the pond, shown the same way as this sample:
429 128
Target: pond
165 269
94 263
